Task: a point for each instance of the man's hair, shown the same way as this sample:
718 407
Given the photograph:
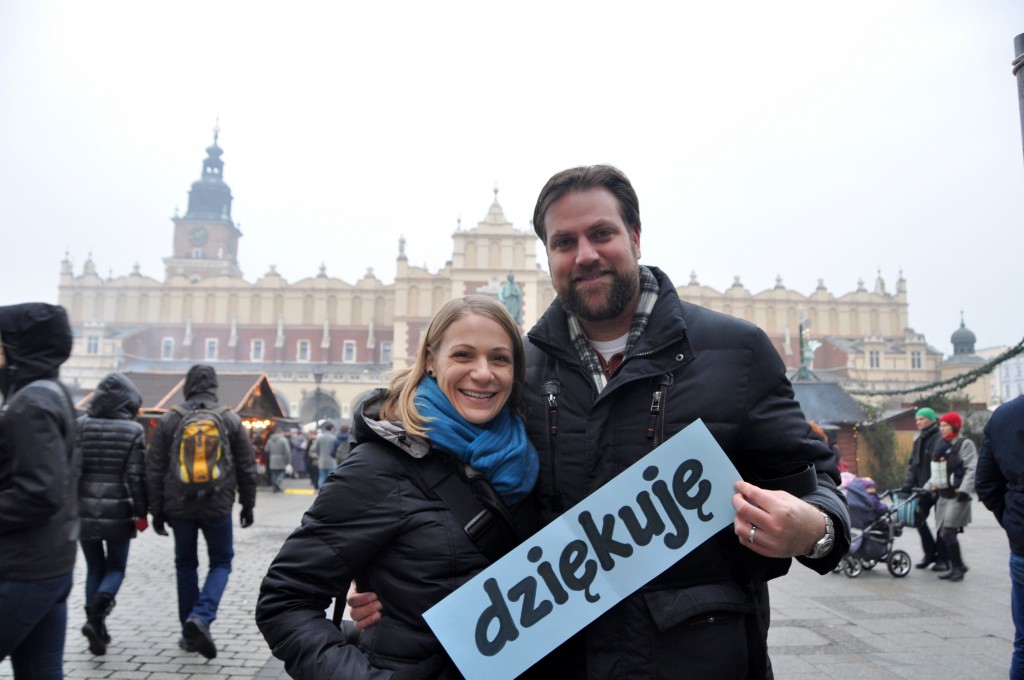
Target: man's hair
400 403
581 179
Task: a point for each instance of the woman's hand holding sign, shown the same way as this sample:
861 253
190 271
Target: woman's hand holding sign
775 523
364 608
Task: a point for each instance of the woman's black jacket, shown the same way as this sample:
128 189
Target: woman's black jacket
112 489
370 523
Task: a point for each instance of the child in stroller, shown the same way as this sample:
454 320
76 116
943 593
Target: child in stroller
875 528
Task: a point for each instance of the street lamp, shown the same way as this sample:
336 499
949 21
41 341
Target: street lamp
318 377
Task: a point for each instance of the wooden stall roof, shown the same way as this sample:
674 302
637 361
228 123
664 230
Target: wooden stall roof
248 394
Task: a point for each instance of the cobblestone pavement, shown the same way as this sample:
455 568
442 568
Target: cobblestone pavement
823 627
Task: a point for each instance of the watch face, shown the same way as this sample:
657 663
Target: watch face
197 235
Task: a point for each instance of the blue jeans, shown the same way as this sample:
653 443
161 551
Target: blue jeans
33 622
104 569
217 533
1017 611
324 474
276 477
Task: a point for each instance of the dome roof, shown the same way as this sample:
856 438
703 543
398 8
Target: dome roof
963 339
963 335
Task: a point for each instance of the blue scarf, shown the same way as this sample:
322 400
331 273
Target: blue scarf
499 449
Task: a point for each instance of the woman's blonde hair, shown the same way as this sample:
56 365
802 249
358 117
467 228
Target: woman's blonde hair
400 403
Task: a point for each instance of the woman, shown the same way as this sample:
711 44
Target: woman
374 522
111 497
953 509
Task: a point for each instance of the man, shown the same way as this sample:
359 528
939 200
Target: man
189 511
39 470
323 450
998 483
919 469
617 365
279 453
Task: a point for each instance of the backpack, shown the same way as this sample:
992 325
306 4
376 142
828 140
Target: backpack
201 451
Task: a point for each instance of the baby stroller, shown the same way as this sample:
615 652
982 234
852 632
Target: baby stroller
875 528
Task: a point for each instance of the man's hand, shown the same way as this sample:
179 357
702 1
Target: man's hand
963 496
245 518
364 608
786 526
158 525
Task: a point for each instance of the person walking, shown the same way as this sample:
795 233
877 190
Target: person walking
39 470
279 451
919 470
955 462
454 410
323 451
191 479
312 459
999 481
112 497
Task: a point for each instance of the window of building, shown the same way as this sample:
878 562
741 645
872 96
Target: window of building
92 344
874 359
211 349
915 359
385 352
197 253
349 352
302 351
346 410
167 349
256 350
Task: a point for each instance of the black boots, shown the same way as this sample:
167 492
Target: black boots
95 628
957 569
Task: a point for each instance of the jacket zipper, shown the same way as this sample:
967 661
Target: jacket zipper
552 389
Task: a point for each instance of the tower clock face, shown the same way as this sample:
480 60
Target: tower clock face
198 235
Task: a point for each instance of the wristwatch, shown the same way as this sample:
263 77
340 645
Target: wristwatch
824 546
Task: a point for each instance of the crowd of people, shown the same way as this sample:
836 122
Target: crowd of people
487 427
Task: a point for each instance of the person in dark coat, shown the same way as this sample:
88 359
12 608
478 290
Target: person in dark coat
111 498
373 522
39 469
279 452
616 366
188 515
919 469
999 482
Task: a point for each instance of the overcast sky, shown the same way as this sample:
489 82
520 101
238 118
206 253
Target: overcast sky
807 140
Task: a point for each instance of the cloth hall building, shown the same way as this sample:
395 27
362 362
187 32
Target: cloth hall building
322 341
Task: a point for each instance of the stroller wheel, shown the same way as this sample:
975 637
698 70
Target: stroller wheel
899 563
868 564
851 567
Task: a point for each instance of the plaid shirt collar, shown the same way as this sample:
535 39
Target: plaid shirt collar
648 296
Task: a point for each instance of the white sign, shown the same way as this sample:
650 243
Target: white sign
588 560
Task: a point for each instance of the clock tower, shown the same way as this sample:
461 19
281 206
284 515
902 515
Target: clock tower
205 239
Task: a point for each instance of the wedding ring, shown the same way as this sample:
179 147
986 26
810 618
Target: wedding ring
750 536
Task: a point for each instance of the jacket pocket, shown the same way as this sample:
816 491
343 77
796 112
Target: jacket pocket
670 606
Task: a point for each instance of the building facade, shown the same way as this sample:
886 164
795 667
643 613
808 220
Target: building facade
322 341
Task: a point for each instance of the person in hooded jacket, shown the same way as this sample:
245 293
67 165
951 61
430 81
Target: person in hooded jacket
111 497
188 515
39 469
375 523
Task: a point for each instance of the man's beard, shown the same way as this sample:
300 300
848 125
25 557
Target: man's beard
623 291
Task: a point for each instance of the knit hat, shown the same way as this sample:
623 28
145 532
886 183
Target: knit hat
953 420
926 413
